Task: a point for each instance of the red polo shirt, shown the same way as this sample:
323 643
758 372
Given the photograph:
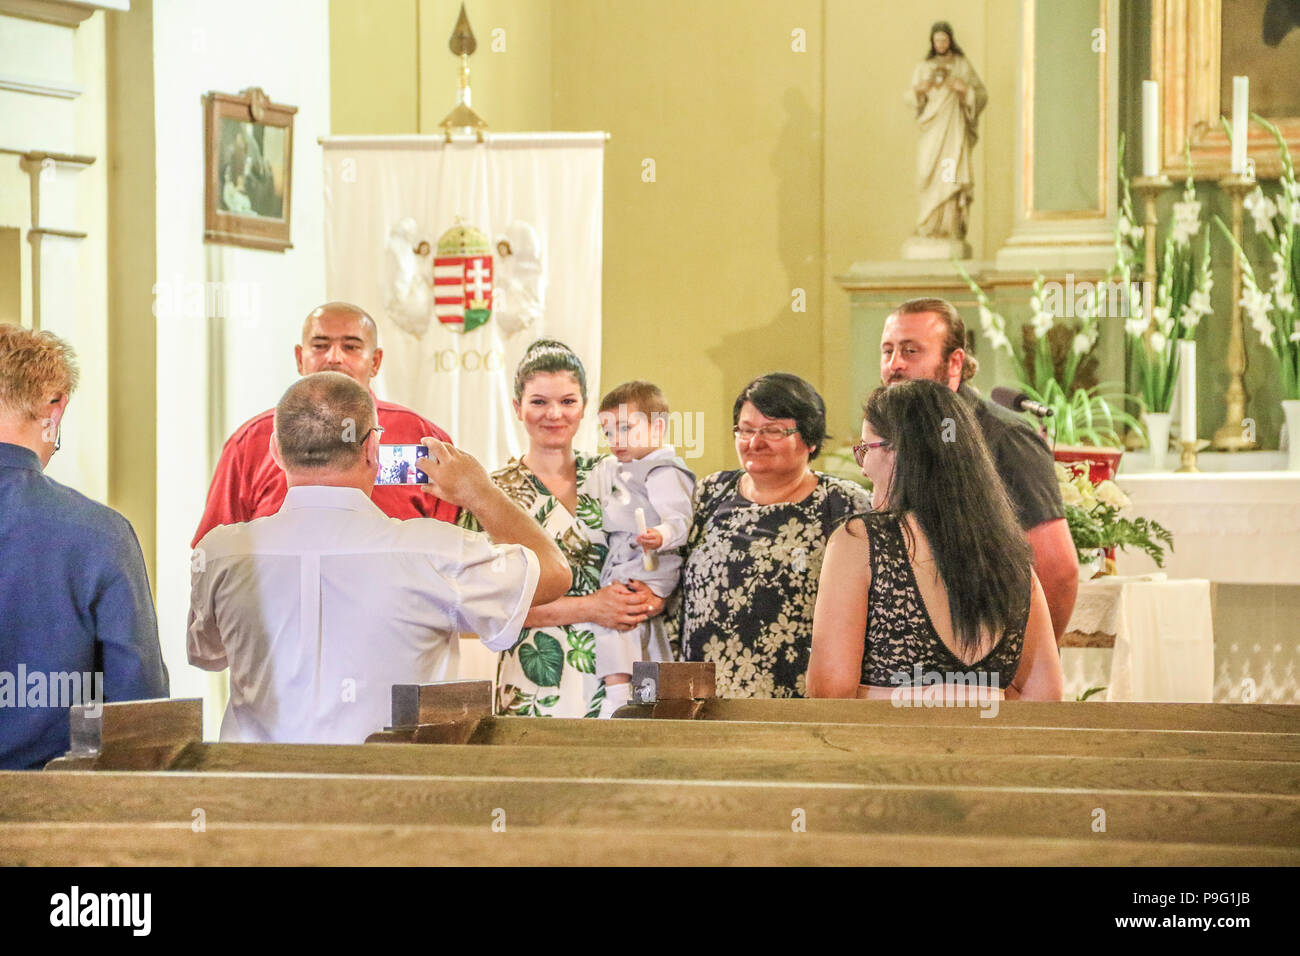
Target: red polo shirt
249 484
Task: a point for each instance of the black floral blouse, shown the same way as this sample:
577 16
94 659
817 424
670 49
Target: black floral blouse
749 583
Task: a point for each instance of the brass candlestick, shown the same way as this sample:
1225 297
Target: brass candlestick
1149 188
1190 450
1231 435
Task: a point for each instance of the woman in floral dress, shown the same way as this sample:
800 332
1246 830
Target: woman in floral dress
754 552
550 672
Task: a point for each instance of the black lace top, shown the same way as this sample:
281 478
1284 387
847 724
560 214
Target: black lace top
900 635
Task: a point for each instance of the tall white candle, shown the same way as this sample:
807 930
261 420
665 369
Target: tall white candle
1240 121
1150 128
1187 388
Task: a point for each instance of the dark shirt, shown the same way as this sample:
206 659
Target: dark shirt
74 600
1022 459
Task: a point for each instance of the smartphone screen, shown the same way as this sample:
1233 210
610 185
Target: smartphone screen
397 465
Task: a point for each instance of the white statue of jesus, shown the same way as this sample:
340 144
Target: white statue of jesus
948 98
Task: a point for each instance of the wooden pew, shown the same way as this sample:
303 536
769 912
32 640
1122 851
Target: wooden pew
238 844
964 742
660 791
175 724
992 813
825 765
312 845
687 690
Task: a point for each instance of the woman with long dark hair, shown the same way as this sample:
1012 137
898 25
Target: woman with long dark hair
938 578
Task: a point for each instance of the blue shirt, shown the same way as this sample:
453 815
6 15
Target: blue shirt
74 602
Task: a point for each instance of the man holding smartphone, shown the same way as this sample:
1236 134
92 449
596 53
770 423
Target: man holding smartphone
248 484
319 609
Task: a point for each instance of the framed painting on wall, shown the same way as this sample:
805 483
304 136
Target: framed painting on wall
1197 47
248 142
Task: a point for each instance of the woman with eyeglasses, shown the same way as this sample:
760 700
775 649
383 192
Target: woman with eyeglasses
938 578
749 581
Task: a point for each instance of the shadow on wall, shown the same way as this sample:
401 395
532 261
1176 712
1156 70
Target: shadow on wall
743 356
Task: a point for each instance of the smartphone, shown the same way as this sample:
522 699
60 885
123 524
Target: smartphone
397 465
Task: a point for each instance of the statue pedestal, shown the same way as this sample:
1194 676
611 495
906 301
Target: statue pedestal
922 249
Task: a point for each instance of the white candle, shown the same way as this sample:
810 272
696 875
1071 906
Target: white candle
1240 119
1187 387
648 559
1150 128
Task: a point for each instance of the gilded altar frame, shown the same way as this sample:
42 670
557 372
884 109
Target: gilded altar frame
1186 47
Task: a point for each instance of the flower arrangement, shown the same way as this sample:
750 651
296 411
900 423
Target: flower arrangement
1054 354
1275 314
1159 318
1096 516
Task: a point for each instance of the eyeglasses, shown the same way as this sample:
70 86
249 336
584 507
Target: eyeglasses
769 432
379 433
861 448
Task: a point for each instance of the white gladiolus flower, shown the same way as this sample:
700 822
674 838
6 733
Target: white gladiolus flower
1164 323
1158 341
1135 326
1280 272
1198 306
994 327
1262 210
1257 306
1108 493
1187 222
1295 336
1285 299
1081 344
1042 323
1135 297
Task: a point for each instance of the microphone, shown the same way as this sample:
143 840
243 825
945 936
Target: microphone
1020 402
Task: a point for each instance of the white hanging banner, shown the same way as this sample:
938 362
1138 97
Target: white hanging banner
465 253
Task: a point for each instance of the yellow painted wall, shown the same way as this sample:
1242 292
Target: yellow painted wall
775 170
700 264
374 83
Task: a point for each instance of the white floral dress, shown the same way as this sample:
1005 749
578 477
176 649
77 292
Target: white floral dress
749 584
551 671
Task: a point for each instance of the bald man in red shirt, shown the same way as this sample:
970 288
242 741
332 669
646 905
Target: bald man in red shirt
248 484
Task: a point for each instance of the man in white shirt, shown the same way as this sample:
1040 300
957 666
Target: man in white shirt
321 607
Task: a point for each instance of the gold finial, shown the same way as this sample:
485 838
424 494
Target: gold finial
463 117
462 36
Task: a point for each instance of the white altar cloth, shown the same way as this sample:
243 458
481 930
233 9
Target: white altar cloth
1162 631
1231 528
